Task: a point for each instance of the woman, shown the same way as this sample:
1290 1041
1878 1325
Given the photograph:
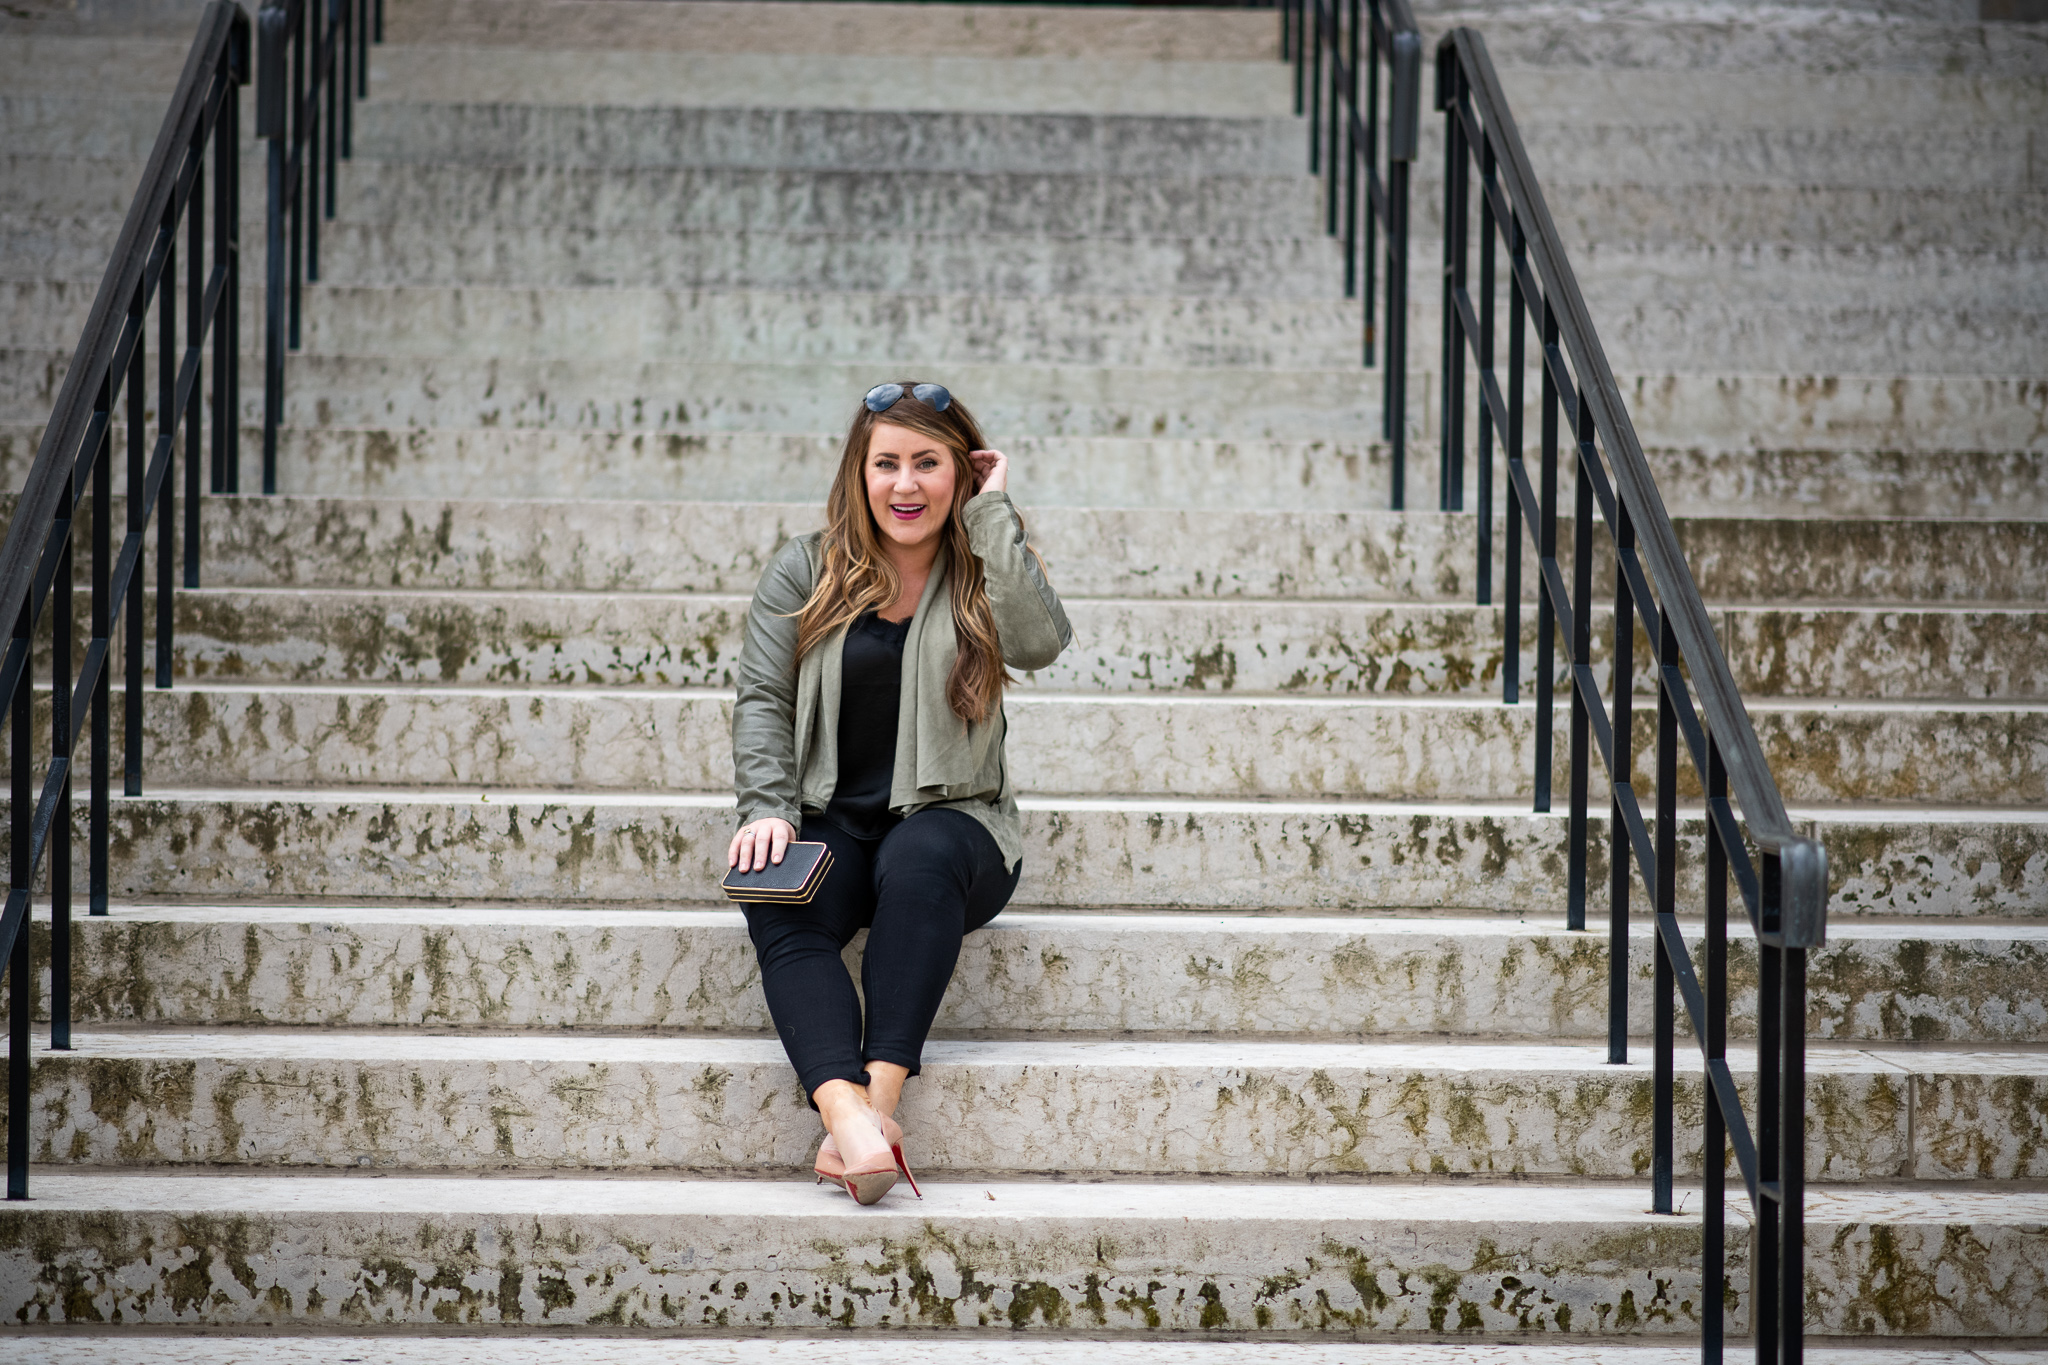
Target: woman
870 719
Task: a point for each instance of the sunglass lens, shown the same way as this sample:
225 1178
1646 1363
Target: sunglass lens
882 397
933 394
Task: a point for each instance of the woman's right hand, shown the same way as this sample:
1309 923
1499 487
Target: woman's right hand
759 844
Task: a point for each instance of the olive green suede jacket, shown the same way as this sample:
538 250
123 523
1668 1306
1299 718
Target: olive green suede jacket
785 722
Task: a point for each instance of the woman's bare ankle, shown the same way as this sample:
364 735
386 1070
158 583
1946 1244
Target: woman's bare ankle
846 1110
885 1086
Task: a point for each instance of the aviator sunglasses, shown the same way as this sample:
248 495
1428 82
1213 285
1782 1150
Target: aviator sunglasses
882 397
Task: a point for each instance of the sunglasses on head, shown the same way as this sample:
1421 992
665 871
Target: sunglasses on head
882 397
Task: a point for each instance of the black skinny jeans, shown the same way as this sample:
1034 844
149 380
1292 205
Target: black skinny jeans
918 890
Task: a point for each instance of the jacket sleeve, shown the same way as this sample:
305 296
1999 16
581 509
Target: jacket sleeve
764 713
1030 622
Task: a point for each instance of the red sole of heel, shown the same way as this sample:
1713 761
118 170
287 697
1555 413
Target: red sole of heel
868 1187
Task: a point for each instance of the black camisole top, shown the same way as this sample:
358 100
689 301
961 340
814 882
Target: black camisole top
870 687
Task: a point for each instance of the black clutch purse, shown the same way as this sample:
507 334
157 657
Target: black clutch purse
792 882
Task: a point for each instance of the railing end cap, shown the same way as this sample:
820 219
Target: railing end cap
1803 883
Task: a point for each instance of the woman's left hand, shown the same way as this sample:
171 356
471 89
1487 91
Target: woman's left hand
991 470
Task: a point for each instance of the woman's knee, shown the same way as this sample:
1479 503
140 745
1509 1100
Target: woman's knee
933 847
944 857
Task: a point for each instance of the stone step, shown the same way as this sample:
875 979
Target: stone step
552 1102
881 139
1924 39
1079 852
1305 267
228 1348
843 30
624 133
767 326
1255 86
50 65
1304 476
1009 1256
1282 202
617 135
1029 972
1128 644
1365 555
65 226
1713 410
1766 96
1880 41
1706 217
1973 317
215 734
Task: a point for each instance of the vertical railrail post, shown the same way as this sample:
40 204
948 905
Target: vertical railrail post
1582 653
271 36
1547 576
1451 458
1315 86
1344 150
1714 1049
1518 361
1404 134
1352 153
20 880
1621 769
312 64
62 741
1770 1035
1482 449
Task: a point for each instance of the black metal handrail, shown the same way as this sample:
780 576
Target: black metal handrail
308 80
77 451
1387 30
1785 890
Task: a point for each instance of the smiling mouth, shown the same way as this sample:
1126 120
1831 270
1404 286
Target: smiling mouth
907 511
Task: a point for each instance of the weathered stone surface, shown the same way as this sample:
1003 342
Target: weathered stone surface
1018 1256
907 261
401 1099
1081 852
1359 976
1357 555
1891 1263
506 1349
1713 409
609 136
1788 42
654 396
723 547
1058 472
1120 644
842 30
830 199
1984 1118
902 80
1426 749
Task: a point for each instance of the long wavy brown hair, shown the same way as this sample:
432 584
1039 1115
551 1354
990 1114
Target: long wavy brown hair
857 577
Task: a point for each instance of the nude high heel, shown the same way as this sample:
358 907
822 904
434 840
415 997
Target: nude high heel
830 1166
866 1180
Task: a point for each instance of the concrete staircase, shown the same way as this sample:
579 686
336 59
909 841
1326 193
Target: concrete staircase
417 1010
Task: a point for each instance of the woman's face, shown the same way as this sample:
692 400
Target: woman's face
910 478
